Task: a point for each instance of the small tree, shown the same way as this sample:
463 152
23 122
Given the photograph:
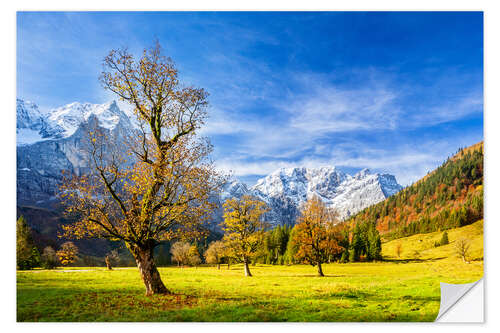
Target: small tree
180 253
215 253
108 263
194 256
462 247
228 255
316 235
444 239
243 227
27 255
111 259
399 249
67 254
49 258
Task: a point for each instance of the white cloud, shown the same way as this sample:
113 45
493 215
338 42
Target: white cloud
449 110
330 109
407 162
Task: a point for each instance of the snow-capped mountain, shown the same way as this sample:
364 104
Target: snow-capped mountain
48 144
31 124
51 143
66 120
28 115
63 122
285 190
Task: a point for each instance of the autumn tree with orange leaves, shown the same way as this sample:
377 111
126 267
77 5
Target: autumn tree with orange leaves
316 236
161 189
67 254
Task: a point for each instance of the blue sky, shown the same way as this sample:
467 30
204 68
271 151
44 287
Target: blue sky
393 92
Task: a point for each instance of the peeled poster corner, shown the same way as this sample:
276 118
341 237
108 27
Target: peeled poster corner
462 303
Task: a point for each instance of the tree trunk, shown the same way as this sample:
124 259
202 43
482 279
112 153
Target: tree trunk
108 263
247 269
228 266
218 265
320 270
149 273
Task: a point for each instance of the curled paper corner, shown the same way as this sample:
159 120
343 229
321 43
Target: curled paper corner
457 306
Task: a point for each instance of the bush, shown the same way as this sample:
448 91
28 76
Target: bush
49 258
444 239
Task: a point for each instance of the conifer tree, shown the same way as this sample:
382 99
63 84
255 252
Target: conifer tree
27 255
444 239
374 243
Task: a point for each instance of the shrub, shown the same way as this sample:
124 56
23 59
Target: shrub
49 258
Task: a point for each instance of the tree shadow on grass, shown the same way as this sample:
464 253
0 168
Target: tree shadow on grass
321 277
413 260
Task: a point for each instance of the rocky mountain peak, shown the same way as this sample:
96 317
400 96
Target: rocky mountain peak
48 144
286 189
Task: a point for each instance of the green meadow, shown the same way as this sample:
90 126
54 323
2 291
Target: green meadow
404 288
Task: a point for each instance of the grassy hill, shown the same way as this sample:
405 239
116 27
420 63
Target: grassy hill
449 197
422 246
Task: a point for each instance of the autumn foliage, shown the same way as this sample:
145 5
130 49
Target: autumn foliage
449 197
215 253
244 227
67 254
316 236
161 189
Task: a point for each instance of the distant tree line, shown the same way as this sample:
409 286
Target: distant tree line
29 255
317 237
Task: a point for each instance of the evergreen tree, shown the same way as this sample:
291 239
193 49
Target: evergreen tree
291 247
27 255
374 243
356 245
444 239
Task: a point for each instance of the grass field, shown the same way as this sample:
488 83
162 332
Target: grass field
398 289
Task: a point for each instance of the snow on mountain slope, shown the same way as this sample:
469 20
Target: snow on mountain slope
285 190
56 142
28 115
63 122
30 123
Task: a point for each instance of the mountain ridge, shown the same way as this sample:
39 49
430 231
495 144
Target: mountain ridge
60 146
286 189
